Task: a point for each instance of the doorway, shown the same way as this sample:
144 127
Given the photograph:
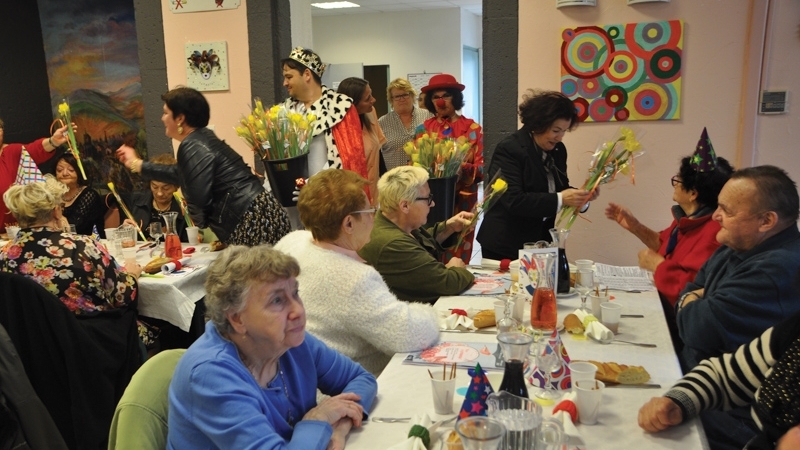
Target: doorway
378 77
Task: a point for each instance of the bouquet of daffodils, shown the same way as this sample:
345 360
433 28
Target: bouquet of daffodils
276 133
491 193
441 157
66 119
610 158
184 208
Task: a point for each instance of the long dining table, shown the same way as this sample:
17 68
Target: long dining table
404 390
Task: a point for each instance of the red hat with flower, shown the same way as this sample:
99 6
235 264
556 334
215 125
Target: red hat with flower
442 81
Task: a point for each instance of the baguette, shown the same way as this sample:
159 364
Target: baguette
154 266
609 372
573 324
484 319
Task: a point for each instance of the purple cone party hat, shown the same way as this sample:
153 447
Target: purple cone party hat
479 389
704 158
560 378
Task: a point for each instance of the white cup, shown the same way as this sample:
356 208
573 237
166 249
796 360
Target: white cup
610 315
581 371
443 389
12 231
111 233
597 300
192 235
590 394
499 310
584 264
129 255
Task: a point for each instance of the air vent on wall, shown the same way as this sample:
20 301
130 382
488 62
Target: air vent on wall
773 102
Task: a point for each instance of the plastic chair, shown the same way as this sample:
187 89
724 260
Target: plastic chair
140 420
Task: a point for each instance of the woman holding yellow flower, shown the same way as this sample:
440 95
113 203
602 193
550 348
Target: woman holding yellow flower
220 188
533 161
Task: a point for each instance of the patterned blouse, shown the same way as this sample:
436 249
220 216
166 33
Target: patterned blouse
397 135
75 268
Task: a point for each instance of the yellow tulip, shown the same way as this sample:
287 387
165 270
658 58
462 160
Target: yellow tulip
499 185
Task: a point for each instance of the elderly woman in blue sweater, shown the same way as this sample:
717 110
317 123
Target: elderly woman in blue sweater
251 380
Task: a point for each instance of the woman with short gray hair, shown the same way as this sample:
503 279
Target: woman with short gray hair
251 380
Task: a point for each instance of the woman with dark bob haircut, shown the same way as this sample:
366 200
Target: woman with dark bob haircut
83 206
444 98
675 254
220 189
533 161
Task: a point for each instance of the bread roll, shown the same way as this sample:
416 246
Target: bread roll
609 372
573 324
454 441
484 319
154 266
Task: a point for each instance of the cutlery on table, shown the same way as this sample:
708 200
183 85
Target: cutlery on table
639 344
390 419
632 316
641 386
470 331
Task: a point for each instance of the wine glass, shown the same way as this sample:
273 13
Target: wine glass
584 282
547 360
156 232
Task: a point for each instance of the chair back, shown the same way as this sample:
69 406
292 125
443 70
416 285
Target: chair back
79 367
140 420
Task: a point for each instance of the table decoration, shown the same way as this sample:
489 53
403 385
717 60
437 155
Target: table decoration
464 354
610 159
477 393
560 378
457 319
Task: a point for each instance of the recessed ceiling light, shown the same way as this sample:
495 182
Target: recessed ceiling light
335 5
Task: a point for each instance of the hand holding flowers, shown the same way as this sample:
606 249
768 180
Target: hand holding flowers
65 119
610 158
491 193
441 157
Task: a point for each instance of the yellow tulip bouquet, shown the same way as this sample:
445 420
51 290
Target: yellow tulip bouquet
491 194
610 158
441 157
276 133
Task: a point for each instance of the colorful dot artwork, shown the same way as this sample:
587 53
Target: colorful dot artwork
623 72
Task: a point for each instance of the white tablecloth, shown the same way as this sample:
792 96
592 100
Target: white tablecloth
172 297
404 390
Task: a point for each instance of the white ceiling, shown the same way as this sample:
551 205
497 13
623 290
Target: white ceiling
376 6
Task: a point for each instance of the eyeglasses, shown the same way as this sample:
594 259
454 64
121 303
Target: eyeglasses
437 97
675 180
401 96
370 211
428 199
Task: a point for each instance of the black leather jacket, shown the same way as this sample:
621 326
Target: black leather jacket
217 184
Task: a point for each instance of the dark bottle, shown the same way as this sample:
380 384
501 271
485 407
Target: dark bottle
514 379
563 272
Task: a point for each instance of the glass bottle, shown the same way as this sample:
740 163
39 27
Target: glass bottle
515 348
560 239
544 314
172 242
507 323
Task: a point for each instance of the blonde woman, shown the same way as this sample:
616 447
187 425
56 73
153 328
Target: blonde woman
401 122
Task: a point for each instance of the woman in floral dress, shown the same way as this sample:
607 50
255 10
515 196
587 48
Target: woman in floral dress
76 269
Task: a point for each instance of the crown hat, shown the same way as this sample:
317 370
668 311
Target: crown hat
704 158
309 59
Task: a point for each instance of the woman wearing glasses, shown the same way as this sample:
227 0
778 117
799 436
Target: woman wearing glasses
676 253
348 305
444 98
400 124
407 256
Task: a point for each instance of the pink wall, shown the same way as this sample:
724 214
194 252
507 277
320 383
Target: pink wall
225 25
721 42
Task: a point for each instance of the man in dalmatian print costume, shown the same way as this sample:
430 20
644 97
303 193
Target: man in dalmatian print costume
337 141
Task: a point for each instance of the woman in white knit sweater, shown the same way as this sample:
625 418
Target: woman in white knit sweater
348 305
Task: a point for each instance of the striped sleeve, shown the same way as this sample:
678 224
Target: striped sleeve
726 381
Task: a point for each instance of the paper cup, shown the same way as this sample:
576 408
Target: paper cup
12 231
499 310
443 389
590 394
111 233
610 315
597 300
129 254
584 264
581 371
192 234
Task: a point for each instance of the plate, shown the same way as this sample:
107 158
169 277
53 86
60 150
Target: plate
572 293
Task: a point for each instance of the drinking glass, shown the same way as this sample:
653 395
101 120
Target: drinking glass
584 282
547 360
156 231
